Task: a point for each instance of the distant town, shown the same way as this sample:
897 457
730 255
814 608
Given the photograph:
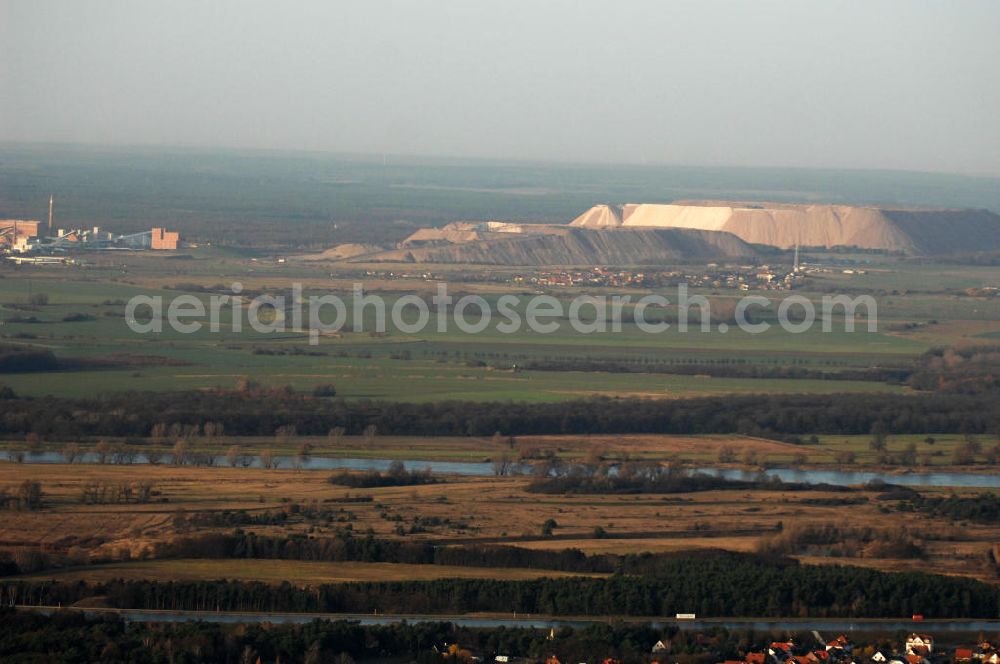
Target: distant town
915 649
713 275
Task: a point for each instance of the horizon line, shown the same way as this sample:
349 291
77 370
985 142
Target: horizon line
534 161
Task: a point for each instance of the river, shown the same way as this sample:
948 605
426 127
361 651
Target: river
482 469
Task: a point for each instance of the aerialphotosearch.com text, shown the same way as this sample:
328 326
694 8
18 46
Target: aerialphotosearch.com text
357 311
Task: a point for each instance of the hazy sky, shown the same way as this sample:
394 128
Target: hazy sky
904 84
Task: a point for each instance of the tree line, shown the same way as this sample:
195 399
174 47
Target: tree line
786 416
23 359
554 476
980 508
710 586
893 375
961 370
345 546
395 475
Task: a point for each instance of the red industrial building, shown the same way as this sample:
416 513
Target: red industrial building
13 229
164 239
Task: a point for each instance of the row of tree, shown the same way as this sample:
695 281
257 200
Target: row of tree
180 454
395 475
136 414
26 496
893 375
96 492
710 586
980 508
554 476
345 546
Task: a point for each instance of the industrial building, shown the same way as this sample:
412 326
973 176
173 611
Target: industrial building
22 237
164 239
95 239
25 239
15 233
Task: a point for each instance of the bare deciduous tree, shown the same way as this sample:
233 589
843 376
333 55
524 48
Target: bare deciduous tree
727 454
879 441
71 452
34 442
303 456
336 435
284 434
247 384
964 454
845 457
122 453
268 460
102 450
159 432
504 465
30 495
180 452
209 431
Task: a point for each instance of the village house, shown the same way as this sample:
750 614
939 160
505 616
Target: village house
917 649
919 644
782 647
839 643
887 658
986 653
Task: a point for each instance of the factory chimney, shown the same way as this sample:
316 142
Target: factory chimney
50 214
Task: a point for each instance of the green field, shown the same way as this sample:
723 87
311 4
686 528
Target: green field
84 319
